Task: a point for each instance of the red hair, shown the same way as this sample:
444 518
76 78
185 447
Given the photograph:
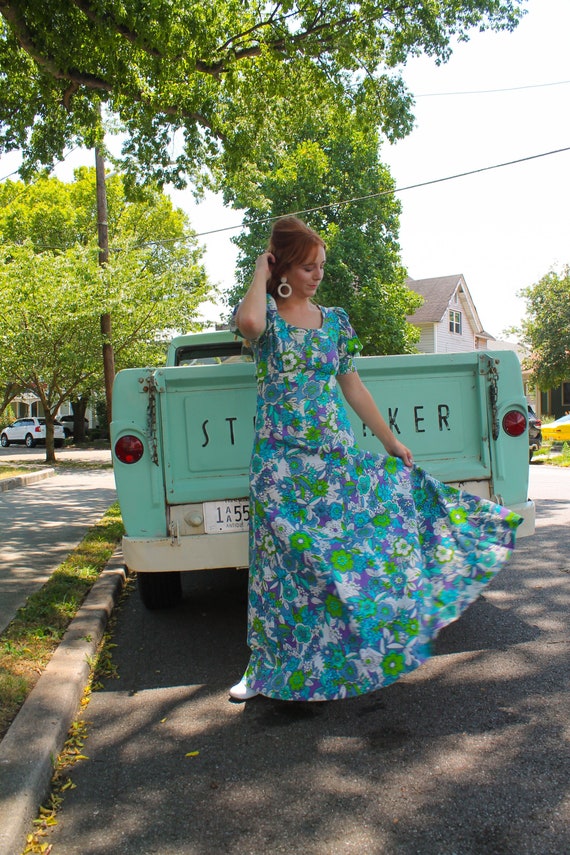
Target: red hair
291 243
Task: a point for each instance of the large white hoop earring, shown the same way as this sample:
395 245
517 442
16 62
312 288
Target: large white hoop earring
284 289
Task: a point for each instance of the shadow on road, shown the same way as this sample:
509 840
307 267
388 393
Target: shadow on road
462 756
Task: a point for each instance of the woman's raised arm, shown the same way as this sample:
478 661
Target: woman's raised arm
251 315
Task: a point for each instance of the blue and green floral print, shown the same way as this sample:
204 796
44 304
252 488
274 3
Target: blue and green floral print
356 562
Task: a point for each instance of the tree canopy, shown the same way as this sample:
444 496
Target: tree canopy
209 88
331 159
154 281
546 327
54 290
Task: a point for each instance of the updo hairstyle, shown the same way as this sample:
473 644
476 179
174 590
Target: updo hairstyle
291 243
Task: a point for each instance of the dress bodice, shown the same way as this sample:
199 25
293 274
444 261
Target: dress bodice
296 369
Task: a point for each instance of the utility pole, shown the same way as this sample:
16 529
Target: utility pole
103 239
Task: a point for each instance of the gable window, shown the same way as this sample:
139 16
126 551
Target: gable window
454 321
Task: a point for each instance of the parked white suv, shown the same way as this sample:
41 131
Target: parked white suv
31 431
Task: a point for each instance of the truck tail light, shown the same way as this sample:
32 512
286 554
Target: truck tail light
514 423
37 429
129 449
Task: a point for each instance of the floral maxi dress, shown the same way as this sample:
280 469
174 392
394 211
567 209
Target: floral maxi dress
356 562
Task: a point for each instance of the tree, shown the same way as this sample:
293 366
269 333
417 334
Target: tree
53 289
364 274
221 78
546 328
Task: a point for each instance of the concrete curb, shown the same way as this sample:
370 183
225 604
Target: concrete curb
38 733
22 480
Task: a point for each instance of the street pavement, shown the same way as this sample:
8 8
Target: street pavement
41 523
466 756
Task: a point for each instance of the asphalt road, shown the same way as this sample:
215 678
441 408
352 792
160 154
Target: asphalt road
468 755
41 524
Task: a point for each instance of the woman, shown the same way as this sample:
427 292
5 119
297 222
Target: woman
357 560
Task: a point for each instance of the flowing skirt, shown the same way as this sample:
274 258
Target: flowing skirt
356 564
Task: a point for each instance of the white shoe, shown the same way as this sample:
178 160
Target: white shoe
242 692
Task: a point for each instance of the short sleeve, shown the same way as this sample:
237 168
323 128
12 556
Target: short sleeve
349 344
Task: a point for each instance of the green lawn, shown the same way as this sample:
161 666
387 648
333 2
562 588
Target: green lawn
28 642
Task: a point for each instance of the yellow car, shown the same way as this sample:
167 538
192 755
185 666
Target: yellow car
558 430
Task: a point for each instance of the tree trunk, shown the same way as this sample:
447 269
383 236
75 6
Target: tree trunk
50 448
78 408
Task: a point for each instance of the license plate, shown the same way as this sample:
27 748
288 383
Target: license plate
227 515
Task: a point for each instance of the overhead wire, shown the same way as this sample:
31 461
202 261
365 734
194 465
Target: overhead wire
418 95
388 192
354 200
491 91
39 175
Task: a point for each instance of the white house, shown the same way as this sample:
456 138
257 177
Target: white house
449 323
448 319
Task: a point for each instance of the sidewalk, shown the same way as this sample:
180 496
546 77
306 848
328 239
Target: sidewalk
40 523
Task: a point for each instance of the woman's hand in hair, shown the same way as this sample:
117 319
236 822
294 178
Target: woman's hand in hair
251 317
264 264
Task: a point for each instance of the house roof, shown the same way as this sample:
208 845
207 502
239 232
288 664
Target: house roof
437 293
521 351
484 334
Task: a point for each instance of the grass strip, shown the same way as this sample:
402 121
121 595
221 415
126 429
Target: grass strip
554 454
11 471
28 642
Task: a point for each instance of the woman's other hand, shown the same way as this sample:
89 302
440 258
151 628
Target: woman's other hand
397 449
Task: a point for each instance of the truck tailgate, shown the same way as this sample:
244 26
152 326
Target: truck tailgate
436 404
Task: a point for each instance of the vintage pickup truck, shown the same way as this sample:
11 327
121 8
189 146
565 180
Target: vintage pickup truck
182 437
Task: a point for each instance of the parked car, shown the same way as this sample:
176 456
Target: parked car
558 430
30 431
68 423
534 432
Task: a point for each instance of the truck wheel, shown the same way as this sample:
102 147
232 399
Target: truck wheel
30 441
160 590
5 441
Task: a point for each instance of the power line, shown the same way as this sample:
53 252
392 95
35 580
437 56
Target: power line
356 199
5 177
36 179
419 95
388 192
492 91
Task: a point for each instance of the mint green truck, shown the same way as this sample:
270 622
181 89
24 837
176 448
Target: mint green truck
182 437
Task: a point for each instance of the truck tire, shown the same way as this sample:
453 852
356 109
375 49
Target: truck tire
160 590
